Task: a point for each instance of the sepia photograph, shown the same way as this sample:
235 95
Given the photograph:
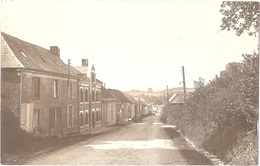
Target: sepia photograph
129 82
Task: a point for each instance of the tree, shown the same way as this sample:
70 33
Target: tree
150 89
199 84
240 16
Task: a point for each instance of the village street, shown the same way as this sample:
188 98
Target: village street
146 143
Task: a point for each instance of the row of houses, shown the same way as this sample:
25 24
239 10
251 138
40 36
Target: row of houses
44 93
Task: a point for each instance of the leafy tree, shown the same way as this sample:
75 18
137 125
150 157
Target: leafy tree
199 84
240 16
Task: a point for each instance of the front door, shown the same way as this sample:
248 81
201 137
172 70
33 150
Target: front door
55 121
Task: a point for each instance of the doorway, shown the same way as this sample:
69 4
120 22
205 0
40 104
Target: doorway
55 121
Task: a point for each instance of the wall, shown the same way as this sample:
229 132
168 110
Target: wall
83 108
109 109
10 91
47 102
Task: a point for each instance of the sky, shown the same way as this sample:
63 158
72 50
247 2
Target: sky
132 44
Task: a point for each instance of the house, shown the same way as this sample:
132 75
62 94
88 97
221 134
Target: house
90 108
38 87
133 111
108 108
141 105
122 105
176 99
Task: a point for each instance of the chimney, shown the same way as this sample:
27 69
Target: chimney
55 50
85 62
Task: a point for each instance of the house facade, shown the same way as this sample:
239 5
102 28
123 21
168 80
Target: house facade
122 106
108 108
89 88
133 108
38 88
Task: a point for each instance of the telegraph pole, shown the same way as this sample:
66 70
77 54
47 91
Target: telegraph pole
184 84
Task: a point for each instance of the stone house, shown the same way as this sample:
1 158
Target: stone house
122 105
38 88
133 109
108 108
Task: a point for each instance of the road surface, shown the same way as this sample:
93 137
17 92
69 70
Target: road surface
147 143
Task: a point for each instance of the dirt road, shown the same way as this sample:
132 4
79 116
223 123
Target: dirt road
147 143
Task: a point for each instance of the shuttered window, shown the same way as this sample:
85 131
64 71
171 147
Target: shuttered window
36 88
55 89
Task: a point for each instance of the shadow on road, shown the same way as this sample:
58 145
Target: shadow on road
191 156
172 133
195 158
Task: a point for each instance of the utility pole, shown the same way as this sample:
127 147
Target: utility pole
184 84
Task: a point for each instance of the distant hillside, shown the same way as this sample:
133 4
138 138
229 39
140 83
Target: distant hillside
158 93
157 97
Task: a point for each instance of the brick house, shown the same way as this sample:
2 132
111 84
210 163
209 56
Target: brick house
90 110
37 87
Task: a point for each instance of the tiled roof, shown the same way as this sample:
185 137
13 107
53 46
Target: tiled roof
131 98
106 93
17 53
176 98
80 70
119 95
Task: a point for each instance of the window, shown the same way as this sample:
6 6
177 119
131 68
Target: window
98 115
97 118
81 116
81 95
55 89
86 95
97 97
36 88
86 118
70 90
93 95
69 116
36 117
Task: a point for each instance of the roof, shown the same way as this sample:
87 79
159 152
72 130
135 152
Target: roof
98 81
131 98
80 70
119 95
17 53
176 98
106 93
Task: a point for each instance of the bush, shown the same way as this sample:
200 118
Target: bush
218 114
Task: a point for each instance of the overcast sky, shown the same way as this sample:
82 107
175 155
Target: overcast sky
133 44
